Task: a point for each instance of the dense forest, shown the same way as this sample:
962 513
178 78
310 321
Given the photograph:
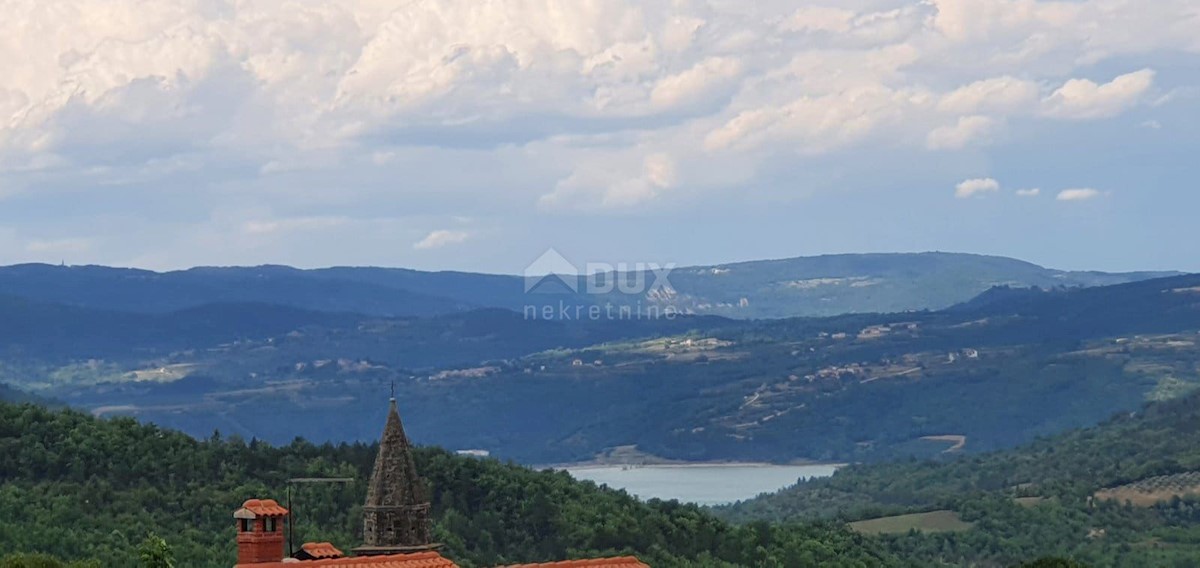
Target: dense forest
98 492
1041 499
82 488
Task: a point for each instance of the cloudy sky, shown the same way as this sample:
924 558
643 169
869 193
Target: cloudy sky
474 134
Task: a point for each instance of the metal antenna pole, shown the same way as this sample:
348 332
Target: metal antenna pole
291 524
291 515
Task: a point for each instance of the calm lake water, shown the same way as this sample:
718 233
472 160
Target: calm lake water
701 484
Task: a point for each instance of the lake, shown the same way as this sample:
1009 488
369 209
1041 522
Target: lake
716 484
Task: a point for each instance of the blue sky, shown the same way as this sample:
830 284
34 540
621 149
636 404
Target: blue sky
475 134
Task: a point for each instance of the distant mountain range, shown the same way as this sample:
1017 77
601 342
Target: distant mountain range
968 354
998 370
1010 366
812 286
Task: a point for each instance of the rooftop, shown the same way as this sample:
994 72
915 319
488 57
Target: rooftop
619 562
321 550
418 560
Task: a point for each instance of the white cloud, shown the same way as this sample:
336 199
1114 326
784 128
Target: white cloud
998 94
693 85
1084 99
1078 194
820 124
991 20
976 187
614 184
968 130
442 238
1032 192
321 75
309 112
819 19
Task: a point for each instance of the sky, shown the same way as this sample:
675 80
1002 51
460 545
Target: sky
476 134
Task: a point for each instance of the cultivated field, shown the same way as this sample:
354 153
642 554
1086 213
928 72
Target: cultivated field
934 521
1147 492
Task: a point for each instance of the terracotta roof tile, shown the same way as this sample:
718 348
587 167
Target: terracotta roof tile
619 562
418 560
321 550
264 508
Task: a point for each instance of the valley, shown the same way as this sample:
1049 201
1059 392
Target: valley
972 433
992 373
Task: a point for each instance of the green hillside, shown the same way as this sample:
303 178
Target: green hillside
79 487
864 283
1063 495
997 372
85 488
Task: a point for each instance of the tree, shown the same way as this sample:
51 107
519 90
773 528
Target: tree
154 552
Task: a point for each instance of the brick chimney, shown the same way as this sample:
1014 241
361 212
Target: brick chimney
260 531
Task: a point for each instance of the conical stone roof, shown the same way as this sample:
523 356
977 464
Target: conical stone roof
396 514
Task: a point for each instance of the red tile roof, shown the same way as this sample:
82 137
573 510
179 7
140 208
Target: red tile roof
321 550
418 560
620 562
264 508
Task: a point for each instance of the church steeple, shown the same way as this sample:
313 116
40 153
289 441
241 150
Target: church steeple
396 515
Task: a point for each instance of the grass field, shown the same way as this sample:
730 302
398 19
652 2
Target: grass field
956 441
934 521
1147 492
1029 501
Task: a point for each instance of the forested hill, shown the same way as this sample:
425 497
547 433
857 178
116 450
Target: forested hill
145 291
807 286
1064 495
14 396
1161 439
997 372
38 331
83 488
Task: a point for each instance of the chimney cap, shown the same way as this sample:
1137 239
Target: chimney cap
255 508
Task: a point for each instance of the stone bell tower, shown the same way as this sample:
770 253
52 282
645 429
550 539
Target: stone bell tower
396 515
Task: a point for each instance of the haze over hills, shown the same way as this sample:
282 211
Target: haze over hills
144 291
1007 367
1011 365
811 286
